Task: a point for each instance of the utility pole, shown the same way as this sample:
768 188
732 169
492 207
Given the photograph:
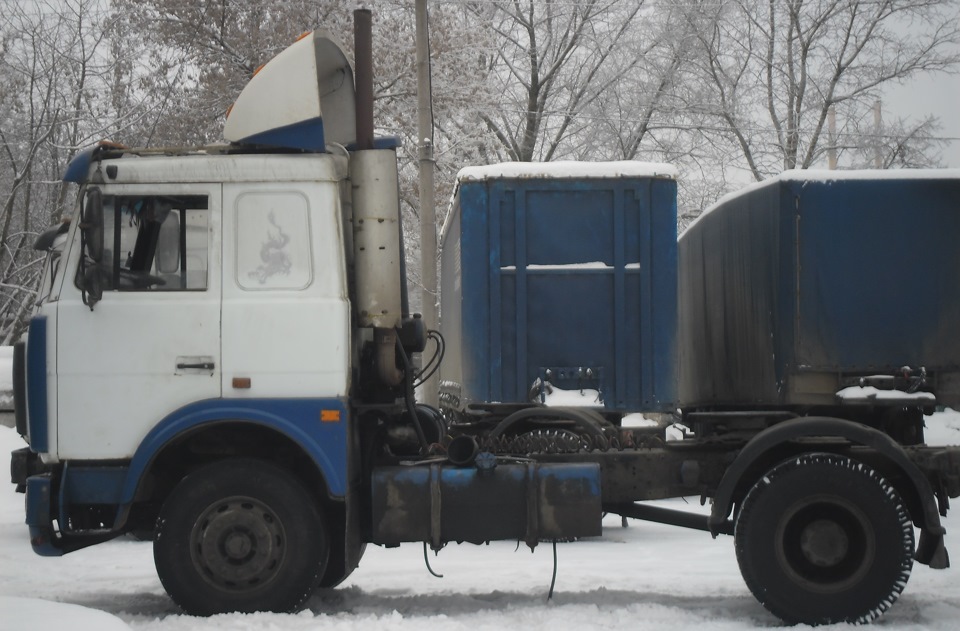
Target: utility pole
877 131
832 126
428 213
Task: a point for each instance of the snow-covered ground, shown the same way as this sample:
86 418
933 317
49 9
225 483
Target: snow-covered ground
645 576
6 377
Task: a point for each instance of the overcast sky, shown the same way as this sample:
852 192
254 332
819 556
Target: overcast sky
937 94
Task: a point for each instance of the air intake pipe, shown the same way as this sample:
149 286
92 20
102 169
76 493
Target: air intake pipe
378 256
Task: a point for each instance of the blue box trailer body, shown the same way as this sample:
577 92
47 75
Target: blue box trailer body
797 287
575 275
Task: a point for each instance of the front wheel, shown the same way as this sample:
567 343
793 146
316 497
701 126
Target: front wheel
337 571
823 538
240 535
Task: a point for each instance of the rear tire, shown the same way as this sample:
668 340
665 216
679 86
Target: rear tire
240 535
823 538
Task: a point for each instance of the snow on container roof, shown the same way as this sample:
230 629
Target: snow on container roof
823 175
827 176
560 170
301 99
567 170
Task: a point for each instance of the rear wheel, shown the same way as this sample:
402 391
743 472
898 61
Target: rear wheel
823 538
240 535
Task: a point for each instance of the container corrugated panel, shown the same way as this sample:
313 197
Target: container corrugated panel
791 288
572 276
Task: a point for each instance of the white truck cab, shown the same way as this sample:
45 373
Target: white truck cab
221 276
222 312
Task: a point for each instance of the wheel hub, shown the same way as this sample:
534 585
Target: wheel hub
824 543
238 544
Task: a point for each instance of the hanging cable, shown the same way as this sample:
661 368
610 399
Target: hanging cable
410 399
433 364
553 580
426 559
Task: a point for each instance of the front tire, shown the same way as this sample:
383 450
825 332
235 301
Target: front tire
336 570
240 535
823 538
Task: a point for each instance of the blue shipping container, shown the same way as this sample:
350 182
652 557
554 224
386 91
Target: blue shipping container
564 273
794 289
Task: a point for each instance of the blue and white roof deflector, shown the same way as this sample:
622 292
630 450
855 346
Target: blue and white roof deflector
79 166
301 99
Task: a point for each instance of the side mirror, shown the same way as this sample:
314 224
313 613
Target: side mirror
48 238
92 224
92 285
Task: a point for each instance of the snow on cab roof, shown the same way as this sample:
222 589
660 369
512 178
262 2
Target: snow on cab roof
567 170
827 176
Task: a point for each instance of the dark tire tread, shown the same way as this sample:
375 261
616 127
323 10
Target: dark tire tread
301 551
825 478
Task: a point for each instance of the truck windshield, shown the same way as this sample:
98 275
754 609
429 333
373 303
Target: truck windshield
154 243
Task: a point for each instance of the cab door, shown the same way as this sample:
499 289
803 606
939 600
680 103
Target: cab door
151 345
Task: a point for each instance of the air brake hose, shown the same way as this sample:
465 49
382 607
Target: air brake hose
386 340
410 400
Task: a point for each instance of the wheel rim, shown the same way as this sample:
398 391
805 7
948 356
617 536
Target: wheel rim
238 544
825 544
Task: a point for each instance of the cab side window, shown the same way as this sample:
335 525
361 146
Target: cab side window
155 243
273 241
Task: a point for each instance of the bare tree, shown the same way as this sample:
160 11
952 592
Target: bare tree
776 67
56 71
552 61
30 112
643 112
195 57
865 143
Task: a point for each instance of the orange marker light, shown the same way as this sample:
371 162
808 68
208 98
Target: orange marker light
330 416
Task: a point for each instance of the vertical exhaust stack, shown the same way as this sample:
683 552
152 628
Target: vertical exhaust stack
363 72
378 258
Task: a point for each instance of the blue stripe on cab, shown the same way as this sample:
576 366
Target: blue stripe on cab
38 432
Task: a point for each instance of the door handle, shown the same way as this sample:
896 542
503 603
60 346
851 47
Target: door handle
195 364
199 366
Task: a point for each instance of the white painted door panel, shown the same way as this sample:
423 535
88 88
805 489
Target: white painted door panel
286 314
140 355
